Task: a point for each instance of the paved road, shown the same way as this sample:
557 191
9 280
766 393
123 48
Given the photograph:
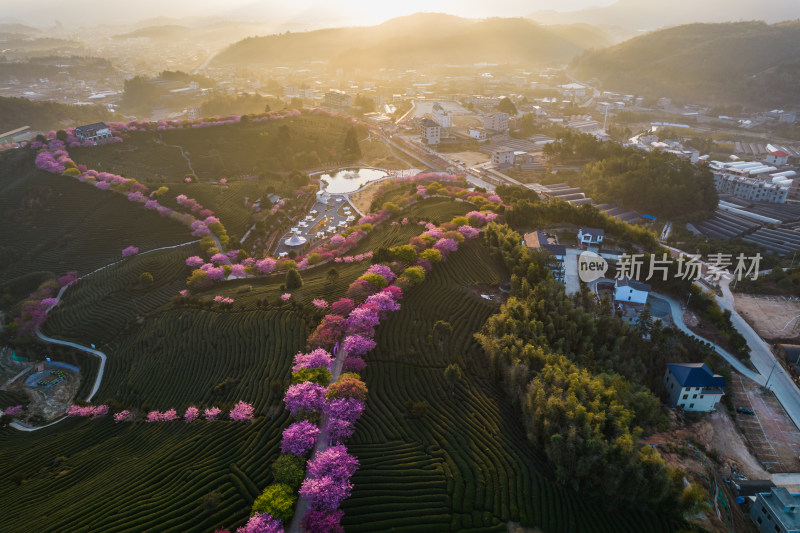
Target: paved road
760 354
320 446
571 280
677 319
23 427
762 357
97 353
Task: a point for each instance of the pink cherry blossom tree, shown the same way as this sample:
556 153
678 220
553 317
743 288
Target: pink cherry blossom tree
323 522
304 398
242 411
299 438
261 523
314 359
358 344
192 413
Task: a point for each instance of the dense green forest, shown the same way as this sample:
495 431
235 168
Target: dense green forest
747 63
649 182
581 378
44 116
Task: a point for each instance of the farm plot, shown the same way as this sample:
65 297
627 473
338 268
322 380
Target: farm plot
436 458
772 435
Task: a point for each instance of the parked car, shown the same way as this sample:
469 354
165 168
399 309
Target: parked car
745 411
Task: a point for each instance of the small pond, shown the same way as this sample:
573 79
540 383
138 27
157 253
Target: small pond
350 180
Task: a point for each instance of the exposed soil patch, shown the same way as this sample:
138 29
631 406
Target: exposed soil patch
489 293
773 317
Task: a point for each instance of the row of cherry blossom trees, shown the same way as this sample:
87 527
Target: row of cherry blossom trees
330 410
56 160
241 412
33 313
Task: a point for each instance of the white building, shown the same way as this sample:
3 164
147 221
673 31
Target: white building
431 131
693 386
496 122
629 291
752 181
590 235
573 89
503 156
97 132
335 99
441 116
776 510
477 133
778 158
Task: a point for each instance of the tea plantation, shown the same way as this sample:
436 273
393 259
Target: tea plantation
435 454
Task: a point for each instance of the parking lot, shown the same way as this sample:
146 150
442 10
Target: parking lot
322 221
773 437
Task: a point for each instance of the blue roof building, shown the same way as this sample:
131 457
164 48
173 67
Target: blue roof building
693 387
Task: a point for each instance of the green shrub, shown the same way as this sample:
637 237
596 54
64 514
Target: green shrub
416 274
347 387
321 376
278 500
146 277
376 279
289 470
434 256
293 280
405 253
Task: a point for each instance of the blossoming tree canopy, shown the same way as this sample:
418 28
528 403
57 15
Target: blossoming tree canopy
299 438
304 397
314 359
242 411
334 462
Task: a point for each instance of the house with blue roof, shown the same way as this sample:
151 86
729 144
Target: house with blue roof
693 387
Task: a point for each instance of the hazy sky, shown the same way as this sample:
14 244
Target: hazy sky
87 12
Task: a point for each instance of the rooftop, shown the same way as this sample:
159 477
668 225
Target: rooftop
92 127
695 375
783 505
594 232
633 284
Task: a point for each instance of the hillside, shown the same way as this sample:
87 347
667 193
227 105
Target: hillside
636 15
44 116
438 39
464 464
731 63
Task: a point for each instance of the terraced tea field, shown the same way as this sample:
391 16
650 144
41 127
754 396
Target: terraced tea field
60 225
466 463
83 475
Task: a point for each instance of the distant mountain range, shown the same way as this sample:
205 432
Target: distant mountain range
643 15
422 39
734 63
